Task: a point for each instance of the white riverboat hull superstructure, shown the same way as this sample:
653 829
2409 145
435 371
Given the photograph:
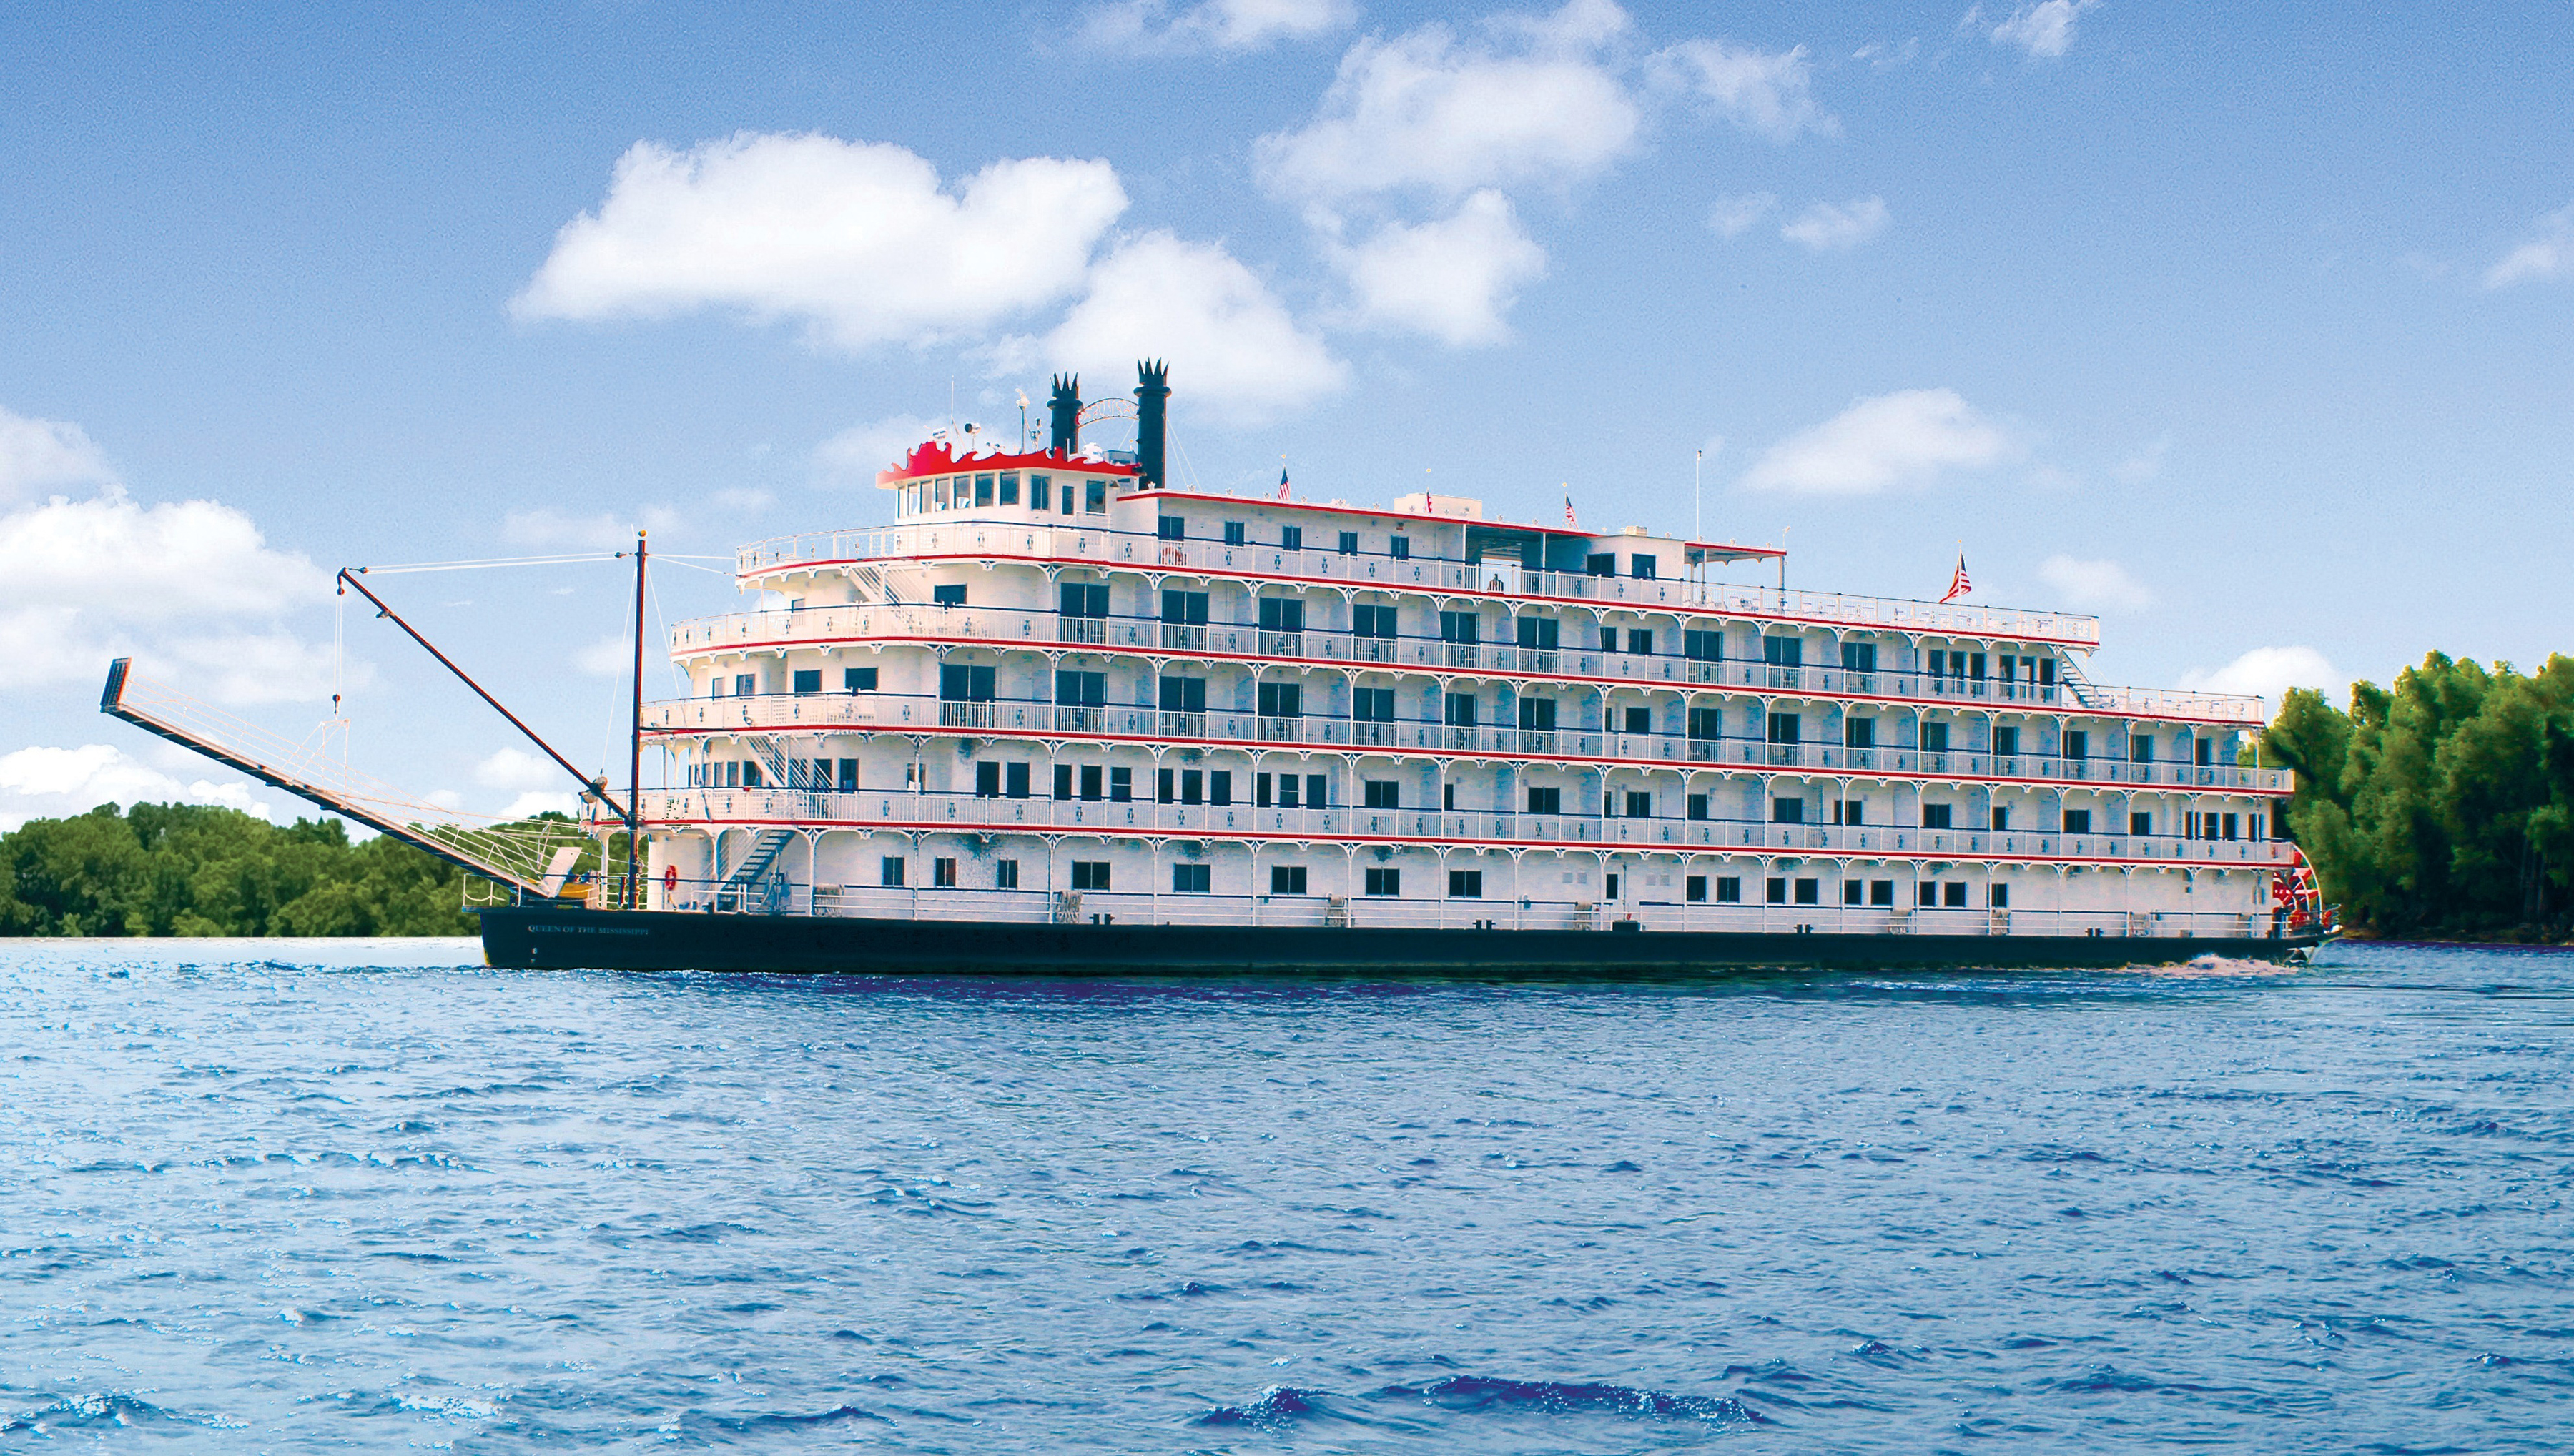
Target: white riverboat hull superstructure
1058 692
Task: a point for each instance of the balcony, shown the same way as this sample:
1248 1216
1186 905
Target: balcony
860 712
868 808
1042 542
745 632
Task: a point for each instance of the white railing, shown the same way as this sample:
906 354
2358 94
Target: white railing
1145 552
887 809
1005 626
892 712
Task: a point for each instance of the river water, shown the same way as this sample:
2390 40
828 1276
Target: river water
300 1196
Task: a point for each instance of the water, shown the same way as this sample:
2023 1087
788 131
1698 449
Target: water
295 1196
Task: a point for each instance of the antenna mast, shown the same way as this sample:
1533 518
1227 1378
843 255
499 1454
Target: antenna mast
635 744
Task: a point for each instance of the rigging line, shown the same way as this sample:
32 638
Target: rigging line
406 567
693 565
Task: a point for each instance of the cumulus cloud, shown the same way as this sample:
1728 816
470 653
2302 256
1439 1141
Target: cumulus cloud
1826 228
56 783
1149 26
47 454
516 770
606 657
2548 253
1768 92
1232 345
1452 280
861 241
1735 216
1428 112
2045 29
856 454
2269 672
191 587
1907 437
2095 585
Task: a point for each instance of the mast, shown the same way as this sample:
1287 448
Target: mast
634 742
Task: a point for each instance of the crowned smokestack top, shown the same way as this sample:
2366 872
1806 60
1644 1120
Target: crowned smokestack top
1152 419
1065 406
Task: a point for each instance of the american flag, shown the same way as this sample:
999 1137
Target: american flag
1568 510
1282 485
1958 584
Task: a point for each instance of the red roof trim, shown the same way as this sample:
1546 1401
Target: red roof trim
939 457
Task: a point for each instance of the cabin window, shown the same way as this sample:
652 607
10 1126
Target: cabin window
1173 529
1953 894
1640 804
942 873
1014 777
1183 694
1094 499
1700 645
1090 874
1854 892
951 594
1706 724
1071 689
1010 487
1349 543
983 490
2140 822
1693 889
1934 737
2005 742
1083 599
1537 715
2078 821
2140 748
1464 884
1121 786
1220 787
1728 889
1460 710
1775 890
1538 634
1858 657
808 680
1005 873
1192 879
1545 801
1639 641
1858 733
1184 608
1698 806
1998 895
1282 615
1784 651
746 684
2001 817
987 781
1639 720
1040 492
965 683
1881 892
1641 567
1235 533
1286 879
1384 882
2077 744
1372 706
857 679
1292 538
1372 621
1281 700
1382 794
1787 811
1936 816
1400 547
889 872
1787 728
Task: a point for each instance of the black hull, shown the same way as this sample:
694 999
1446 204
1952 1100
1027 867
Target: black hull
568 939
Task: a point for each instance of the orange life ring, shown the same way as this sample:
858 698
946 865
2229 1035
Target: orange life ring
670 880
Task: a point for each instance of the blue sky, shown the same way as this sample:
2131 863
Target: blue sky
2246 327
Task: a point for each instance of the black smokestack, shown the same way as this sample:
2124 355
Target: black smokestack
1152 414
1065 405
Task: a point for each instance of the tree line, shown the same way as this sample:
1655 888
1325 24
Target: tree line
195 870
2442 806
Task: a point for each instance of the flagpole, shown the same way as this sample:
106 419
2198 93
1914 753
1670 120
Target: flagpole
1698 472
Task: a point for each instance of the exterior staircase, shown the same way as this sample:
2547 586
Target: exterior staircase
742 885
2069 675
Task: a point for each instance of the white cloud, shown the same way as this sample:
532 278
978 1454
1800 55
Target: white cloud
1734 216
47 454
2144 465
551 529
745 499
2548 255
516 769
1826 228
1768 92
191 588
2045 29
856 454
1426 112
860 241
2269 672
1907 437
606 657
1233 348
535 802
1148 26
1452 280
2095 585
56 783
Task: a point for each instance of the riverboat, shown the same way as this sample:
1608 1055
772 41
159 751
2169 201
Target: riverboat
1065 715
